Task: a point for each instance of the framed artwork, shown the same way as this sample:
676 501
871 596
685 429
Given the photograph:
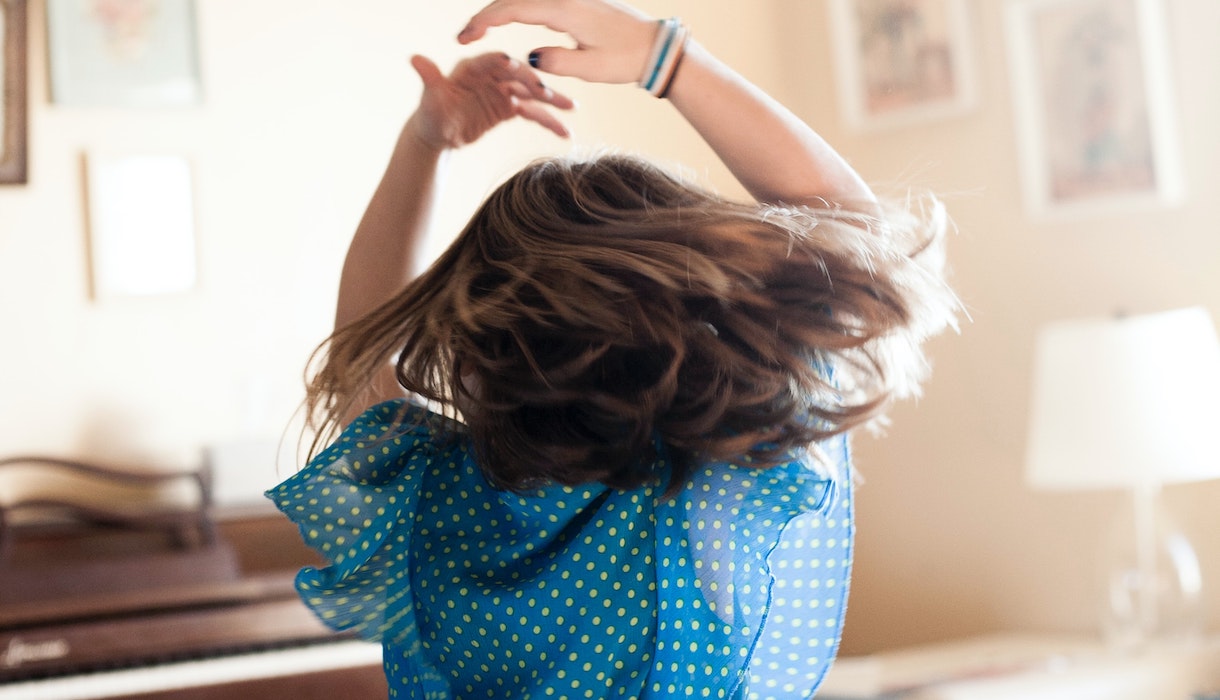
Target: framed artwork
1096 123
13 94
128 53
141 225
900 62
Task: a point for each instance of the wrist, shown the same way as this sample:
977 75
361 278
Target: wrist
419 135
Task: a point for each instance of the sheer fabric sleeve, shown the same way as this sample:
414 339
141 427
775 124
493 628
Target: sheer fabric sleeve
355 504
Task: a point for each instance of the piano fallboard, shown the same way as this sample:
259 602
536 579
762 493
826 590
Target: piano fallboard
321 671
144 639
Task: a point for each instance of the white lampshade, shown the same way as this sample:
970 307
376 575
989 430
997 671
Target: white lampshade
1126 402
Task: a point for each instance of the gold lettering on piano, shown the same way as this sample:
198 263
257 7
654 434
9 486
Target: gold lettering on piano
19 652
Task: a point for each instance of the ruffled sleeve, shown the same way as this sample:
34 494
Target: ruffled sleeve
753 567
355 503
810 567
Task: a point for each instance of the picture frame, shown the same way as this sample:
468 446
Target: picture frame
902 62
141 219
1094 106
123 53
14 115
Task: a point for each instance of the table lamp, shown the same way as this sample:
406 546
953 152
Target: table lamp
1132 403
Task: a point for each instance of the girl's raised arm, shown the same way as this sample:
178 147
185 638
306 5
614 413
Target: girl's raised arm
774 154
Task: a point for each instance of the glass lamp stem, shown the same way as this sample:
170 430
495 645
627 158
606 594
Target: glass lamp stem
1144 504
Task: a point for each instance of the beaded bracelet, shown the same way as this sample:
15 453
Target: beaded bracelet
666 54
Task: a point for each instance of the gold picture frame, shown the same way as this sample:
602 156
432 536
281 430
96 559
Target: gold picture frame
13 92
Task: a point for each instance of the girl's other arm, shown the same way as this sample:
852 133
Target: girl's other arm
454 111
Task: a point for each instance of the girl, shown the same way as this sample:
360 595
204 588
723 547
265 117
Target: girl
635 480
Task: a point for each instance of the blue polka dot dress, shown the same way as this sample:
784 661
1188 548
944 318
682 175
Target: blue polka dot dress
735 588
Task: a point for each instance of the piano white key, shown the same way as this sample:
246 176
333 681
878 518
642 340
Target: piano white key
195 673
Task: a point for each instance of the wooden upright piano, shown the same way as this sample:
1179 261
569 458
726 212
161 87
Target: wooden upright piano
178 606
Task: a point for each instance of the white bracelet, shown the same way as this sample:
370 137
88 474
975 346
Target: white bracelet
667 50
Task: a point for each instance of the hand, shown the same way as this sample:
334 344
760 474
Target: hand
480 93
612 40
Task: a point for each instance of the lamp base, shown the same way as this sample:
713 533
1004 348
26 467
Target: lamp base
1153 583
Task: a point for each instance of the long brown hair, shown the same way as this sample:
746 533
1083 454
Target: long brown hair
593 307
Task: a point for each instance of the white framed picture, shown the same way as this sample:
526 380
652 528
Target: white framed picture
126 53
141 225
1094 106
902 62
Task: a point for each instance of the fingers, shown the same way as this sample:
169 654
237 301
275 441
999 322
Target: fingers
523 80
484 90
530 96
580 63
502 12
518 85
428 72
536 113
490 69
612 39
537 89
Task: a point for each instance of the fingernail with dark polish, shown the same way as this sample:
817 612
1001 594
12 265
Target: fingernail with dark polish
534 56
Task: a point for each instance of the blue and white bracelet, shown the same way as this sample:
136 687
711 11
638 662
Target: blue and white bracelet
666 54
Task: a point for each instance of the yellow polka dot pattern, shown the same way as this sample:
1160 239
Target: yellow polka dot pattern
735 588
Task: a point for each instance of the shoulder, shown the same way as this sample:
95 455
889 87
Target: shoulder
399 417
806 482
384 443
393 426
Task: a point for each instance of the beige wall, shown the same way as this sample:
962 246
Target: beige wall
302 103
951 541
